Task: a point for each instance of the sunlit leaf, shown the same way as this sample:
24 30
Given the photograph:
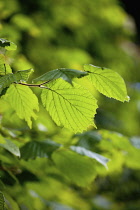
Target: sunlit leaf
9 145
82 151
8 69
70 106
107 82
23 101
78 169
35 149
4 68
65 74
19 76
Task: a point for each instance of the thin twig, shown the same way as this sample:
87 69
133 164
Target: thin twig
31 85
35 85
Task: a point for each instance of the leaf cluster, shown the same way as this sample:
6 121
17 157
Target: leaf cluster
70 104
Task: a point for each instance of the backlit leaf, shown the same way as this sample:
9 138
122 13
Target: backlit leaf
9 145
65 74
70 106
107 82
23 101
78 169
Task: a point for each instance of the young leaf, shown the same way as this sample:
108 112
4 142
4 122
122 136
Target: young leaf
35 149
107 82
70 106
78 169
9 145
1 201
23 101
8 79
8 45
65 74
82 151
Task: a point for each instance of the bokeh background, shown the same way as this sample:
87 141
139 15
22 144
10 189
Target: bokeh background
68 34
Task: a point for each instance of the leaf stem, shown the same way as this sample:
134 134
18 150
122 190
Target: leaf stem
35 85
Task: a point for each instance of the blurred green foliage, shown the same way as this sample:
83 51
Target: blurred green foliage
67 34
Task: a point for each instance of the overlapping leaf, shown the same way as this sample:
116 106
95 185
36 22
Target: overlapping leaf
82 151
8 79
65 74
35 149
9 145
107 82
78 169
23 101
70 106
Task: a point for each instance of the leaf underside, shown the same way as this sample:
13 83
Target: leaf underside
9 145
23 101
107 82
8 79
70 106
65 74
82 151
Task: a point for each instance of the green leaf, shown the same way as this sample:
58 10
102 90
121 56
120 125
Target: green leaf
9 145
23 101
35 149
8 45
10 203
4 68
4 42
107 82
8 69
78 169
19 76
2 59
1 201
65 74
82 151
2 62
2 186
70 106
